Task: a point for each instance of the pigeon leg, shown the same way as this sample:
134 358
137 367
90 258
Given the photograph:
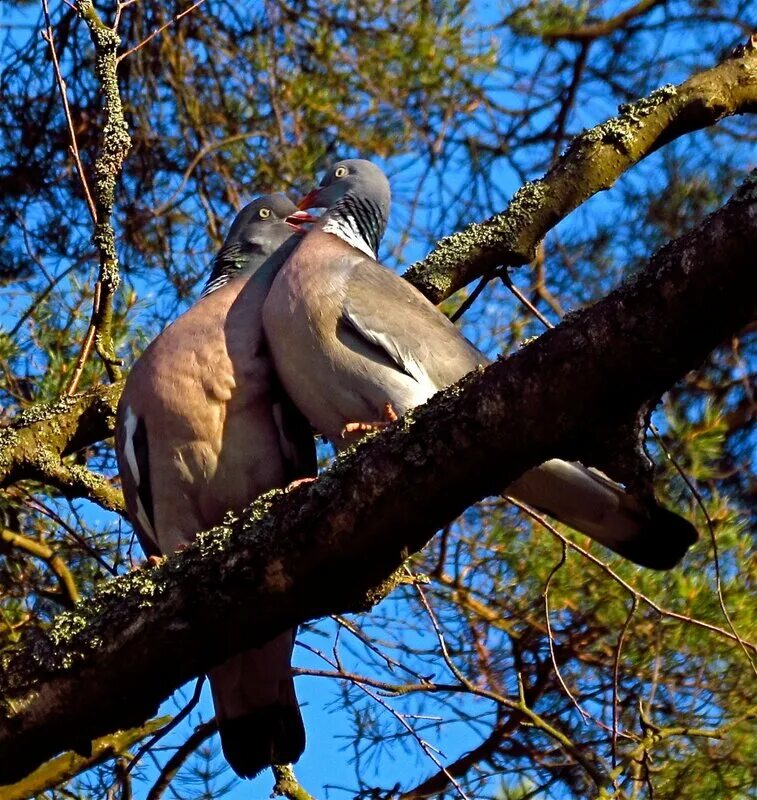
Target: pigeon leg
299 482
390 416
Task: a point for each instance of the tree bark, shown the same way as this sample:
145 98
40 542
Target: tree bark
592 163
332 547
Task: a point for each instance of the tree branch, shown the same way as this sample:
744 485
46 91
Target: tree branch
113 148
69 592
33 445
592 163
69 765
333 546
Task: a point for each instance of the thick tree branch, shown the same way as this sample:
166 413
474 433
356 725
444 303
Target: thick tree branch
33 445
592 163
331 547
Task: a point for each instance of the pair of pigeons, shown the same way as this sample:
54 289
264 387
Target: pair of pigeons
298 331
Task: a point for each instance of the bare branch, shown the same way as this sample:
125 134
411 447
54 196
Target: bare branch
47 35
592 163
159 30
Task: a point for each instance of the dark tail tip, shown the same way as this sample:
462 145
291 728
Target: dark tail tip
270 735
662 542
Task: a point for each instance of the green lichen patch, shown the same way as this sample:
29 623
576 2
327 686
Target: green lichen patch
620 131
501 234
45 411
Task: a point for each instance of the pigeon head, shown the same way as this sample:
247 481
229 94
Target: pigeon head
266 223
265 227
357 197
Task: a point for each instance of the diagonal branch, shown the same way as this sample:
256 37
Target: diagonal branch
69 765
592 163
33 444
333 546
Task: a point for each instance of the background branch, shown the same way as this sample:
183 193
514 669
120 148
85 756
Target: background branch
592 163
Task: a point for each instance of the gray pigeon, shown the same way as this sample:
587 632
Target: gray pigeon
203 428
348 336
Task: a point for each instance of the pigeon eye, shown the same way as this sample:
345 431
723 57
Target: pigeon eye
340 172
264 213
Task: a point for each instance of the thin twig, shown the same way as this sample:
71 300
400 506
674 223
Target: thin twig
37 504
201 153
122 4
627 586
504 276
69 590
47 35
160 30
471 298
86 348
711 528
454 669
424 745
550 637
615 678
202 732
166 729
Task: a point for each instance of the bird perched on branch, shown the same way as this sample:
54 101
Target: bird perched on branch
352 343
203 428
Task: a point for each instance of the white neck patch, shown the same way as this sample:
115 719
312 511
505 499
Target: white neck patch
341 228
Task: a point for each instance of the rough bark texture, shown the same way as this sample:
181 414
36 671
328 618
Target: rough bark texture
332 547
592 163
33 444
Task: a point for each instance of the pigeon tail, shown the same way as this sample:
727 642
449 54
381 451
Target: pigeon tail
256 707
592 504
271 735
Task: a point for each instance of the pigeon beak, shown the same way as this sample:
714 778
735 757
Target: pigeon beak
299 218
310 200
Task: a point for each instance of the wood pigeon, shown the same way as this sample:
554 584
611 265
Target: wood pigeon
203 428
348 336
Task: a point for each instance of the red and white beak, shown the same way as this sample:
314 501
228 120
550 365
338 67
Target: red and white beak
300 218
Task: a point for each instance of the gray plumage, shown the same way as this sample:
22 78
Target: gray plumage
347 336
203 428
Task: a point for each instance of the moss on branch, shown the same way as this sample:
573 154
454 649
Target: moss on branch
593 162
33 445
63 768
114 146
